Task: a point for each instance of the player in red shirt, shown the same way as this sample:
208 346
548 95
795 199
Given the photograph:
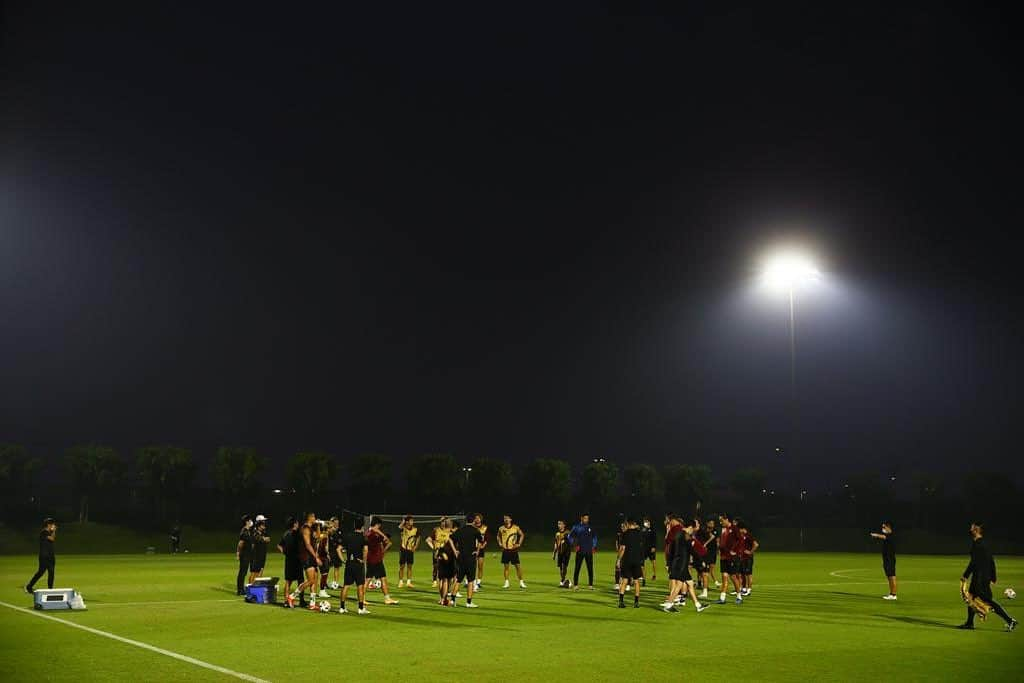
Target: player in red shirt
673 527
728 551
748 547
377 543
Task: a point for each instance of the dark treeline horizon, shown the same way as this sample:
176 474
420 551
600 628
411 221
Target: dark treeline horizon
157 486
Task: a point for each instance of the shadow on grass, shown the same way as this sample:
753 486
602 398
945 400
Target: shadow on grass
916 621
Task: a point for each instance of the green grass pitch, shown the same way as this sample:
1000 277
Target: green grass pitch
811 617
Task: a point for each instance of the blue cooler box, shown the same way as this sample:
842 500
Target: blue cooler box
262 592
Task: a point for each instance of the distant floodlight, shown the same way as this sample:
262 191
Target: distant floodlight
786 270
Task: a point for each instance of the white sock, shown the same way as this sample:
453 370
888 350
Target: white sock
722 596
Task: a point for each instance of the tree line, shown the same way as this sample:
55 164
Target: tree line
158 485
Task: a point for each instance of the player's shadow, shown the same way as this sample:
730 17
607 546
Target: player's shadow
918 621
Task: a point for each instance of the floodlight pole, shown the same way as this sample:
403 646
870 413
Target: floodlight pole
793 411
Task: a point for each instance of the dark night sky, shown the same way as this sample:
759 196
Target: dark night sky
512 230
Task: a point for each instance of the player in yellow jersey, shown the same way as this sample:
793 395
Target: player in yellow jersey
478 522
510 538
438 537
410 541
562 552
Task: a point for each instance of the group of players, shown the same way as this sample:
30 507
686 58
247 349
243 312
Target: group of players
315 551
687 545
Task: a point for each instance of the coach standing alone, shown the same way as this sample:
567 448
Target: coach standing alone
47 558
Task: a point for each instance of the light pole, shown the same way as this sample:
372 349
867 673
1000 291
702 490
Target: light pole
786 271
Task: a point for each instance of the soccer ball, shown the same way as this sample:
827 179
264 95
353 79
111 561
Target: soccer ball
375 584
1010 593
325 606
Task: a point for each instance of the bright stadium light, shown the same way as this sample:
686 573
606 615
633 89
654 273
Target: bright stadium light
786 270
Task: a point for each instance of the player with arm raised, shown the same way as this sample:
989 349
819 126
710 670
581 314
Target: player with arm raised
510 538
410 541
888 558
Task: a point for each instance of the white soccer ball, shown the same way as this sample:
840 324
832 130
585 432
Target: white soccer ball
325 606
375 584
1010 593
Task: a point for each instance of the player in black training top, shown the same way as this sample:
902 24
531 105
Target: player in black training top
651 544
260 540
356 551
243 553
982 573
679 577
888 558
47 558
288 546
466 542
630 562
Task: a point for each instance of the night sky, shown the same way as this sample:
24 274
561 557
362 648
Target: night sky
512 230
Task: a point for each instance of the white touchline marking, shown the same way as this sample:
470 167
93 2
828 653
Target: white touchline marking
136 643
840 573
95 603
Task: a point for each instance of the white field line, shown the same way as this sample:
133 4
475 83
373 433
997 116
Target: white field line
841 573
136 643
96 604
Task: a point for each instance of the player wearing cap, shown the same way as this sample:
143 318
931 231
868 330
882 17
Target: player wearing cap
510 538
260 540
47 558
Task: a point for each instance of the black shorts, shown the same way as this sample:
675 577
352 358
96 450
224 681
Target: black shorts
309 564
746 566
700 565
257 565
653 556
631 571
445 568
466 569
406 556
336 562
889 565
510 557
376 570
355 573
292 569
711 558
679 571
727 566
